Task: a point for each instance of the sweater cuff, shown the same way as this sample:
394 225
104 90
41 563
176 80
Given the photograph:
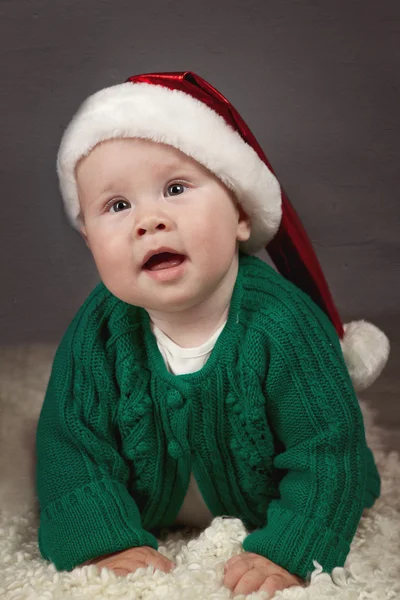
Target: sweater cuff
97 519
293 541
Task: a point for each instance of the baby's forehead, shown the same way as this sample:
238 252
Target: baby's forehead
146 149
119 156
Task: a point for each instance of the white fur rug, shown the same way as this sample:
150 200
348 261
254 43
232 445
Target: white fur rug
372 570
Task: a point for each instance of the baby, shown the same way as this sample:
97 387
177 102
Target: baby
196 381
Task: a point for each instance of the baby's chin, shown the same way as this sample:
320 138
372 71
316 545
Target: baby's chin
172 301
172 306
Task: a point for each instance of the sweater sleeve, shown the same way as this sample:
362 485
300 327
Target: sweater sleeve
315 416
86 510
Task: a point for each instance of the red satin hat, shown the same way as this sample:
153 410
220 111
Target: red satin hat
183 110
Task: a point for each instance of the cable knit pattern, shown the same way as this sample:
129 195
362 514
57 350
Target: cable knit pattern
270 426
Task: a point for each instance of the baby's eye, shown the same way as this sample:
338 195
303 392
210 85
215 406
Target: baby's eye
177 188
117 203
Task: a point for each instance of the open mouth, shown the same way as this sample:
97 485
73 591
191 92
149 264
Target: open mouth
163 260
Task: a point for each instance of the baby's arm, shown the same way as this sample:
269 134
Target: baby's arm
314 413
86 510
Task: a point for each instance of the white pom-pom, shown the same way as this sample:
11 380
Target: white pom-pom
366 351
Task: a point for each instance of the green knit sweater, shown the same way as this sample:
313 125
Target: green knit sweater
270 426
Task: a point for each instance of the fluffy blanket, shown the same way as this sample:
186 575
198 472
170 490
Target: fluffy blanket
371 572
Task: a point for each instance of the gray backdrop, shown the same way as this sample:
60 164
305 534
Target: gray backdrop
317 82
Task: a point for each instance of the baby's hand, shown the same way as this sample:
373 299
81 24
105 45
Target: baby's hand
131 559
248 572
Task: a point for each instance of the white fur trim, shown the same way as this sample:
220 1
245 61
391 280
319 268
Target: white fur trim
173 117
366 351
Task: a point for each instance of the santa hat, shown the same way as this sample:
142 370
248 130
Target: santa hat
183 110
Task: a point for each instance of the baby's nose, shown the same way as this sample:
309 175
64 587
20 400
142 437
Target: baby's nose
151 223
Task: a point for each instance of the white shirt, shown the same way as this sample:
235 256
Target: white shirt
194 511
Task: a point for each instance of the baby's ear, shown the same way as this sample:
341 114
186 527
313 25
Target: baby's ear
83 233
244 224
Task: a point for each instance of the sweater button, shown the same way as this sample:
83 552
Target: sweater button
254 460
231 399
143 447
174 399
174 449
143 409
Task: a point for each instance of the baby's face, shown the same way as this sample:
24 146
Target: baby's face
136 196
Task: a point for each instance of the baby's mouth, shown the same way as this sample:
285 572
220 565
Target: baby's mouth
163 260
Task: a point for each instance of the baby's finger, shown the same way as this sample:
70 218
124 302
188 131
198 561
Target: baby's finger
273 583
234 573
233 560
121 568
161 562
154 558
250 582
167 566
123 572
